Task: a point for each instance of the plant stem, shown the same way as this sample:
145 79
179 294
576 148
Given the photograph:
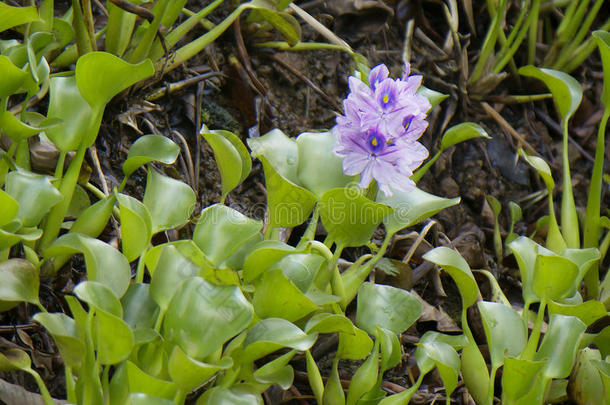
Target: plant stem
70 386
569 218
310 232
58 212
59 168
422 170
532 343
140 268
44 392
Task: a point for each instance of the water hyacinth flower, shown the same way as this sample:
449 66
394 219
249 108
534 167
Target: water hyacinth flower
377 135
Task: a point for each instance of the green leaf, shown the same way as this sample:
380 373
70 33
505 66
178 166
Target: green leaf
139 309
231 156
462 132
328 323
99 296
318 168
237 394
354 346
202 316
63 329
288 203
567 92
389 347
386 307
169 201
271 334
10 207
525 251
150 148
277 371
93 220
333 391
14 359
585 379
285 23
221 230
588 311
12 16
412 207
140 398
34 193
560 345
447 361
18 130
139 381
519 377
79 203
104 263
454 264
602 38
100 76
505 331
189 373
541 167
277 297
113 338
554 277
434 97
136 226
349 217
13 77
19 281
264 254
365 378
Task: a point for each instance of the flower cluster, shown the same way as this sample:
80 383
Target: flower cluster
377 136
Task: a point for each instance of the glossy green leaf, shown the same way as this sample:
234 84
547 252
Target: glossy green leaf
99 296
18 130
314 377
554 277
519 377
104 263
140 398
139 381
525 251
202 316
189 373
13 77
10 207
221 230
19 281
355 345
113 338
567 92
386 307
79 203
412 207
169 201
585 259
63 330
560 345
604 371
231 156
333 391
434 97
301 269
14 359
445 359
237 394
139 308
389 347
12 16
588 311
462 132
505 330
169 268
288 203
271 334
319 169
454 264
541 167
93 220
100 76
79 121
136 226
119 29
277 371
265 254
283 22
602 38
277 297
365 378
586 386
150 148
34 193
456 341
328 323
349 217
475 372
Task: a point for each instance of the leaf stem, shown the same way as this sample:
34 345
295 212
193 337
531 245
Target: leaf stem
532 343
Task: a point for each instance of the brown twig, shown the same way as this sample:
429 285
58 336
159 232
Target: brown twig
132 8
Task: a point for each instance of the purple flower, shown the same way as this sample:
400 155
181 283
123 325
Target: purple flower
377 136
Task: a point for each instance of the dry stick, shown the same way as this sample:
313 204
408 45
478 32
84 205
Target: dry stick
98 168
318 26
198 101
557 129
504 124
189 159
243 54
305 79
182 84
132 8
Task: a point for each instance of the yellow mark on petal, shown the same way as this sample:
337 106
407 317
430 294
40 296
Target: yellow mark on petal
374 142
385 98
